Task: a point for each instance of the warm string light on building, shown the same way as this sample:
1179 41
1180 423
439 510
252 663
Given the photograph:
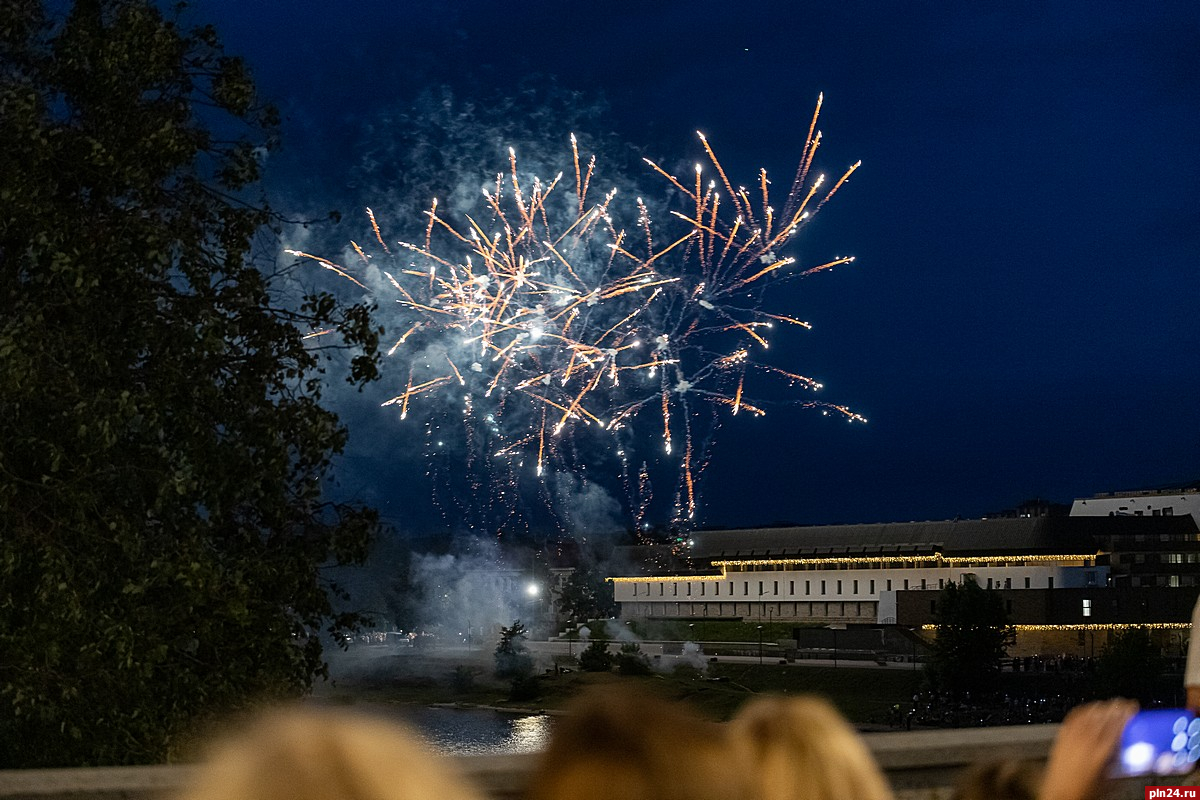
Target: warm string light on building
935 560
1112 626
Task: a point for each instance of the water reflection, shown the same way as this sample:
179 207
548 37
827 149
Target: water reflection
478 731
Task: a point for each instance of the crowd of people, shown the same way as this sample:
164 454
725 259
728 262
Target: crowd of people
619 744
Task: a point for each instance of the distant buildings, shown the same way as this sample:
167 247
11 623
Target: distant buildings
1118 560
1157 503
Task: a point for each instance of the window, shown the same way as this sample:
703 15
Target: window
889 584
1087 607
675 589
702 590
1174 558
872 587
1008 583
1173 580
760 588
775 588
1026 582
689 589
745 588
717 589
822 587
856 587
923 583
839 587
807 589
941 583
1169 511
906 584
1050 582
791 588
989 583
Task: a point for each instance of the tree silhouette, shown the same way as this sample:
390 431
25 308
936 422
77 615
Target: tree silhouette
973 635
162 445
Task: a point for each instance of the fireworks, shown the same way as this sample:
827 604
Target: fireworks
541 319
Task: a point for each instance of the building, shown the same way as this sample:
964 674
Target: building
866 574
1150 503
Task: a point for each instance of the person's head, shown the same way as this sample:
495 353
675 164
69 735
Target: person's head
801 748
296 754
616 744
999 780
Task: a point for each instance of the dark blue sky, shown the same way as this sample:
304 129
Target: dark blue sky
1021 317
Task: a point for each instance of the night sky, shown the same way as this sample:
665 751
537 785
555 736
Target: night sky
1021 317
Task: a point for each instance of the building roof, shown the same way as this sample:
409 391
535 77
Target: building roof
1034 535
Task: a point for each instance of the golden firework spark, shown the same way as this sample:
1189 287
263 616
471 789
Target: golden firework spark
544 302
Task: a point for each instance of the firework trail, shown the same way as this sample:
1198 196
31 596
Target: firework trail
555 332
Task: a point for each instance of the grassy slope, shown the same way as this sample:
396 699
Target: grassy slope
862 694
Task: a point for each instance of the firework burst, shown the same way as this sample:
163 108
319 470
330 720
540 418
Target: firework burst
555 331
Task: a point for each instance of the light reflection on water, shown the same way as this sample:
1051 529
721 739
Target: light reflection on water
477 731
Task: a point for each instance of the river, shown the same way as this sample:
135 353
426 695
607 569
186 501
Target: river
470 731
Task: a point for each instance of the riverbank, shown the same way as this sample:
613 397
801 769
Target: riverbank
463 678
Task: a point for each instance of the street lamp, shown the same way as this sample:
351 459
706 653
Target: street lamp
532 591
760 645
835 628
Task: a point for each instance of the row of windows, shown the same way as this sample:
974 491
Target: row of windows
1157 558
1163 537
801 610
823 586
1173 581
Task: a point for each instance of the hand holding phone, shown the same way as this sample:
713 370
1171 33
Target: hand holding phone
1161 741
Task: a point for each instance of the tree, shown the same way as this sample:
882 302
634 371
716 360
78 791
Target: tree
163 450
587 595
512 660
973 635
1129 665
595 657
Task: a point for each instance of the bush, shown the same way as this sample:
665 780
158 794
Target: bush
632 661
596 658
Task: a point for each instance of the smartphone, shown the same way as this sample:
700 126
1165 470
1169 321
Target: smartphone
1161 741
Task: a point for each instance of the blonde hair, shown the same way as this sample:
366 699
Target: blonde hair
999 780
801 748
617 744
298 754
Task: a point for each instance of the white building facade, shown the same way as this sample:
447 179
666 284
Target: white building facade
1164 503
840 589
